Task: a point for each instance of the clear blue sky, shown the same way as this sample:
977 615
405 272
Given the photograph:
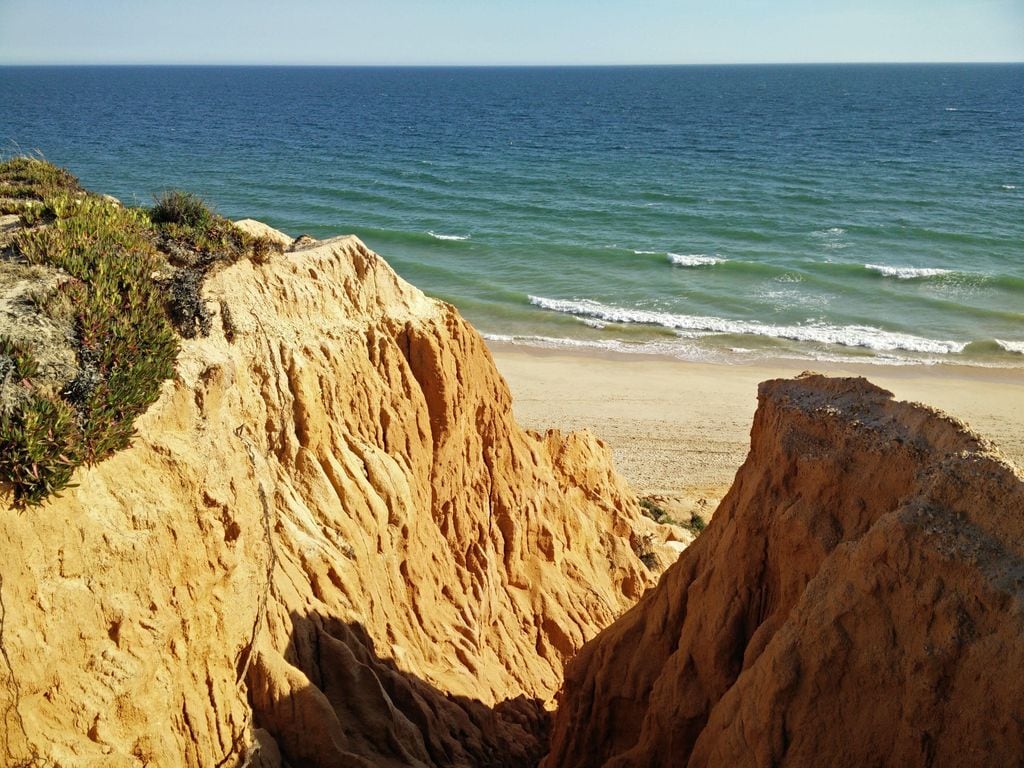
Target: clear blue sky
508 31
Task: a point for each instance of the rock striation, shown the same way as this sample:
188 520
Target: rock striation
858 599
329 545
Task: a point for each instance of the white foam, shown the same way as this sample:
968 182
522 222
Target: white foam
1016 347
907 273
693 259
685 259
832 237
439 236
952 109
848 336
728 355
1008 186
673 349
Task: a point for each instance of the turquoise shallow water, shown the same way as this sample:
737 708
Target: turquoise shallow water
837 212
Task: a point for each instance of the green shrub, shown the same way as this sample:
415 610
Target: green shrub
182 208
40 448
194 237
23 364
653 511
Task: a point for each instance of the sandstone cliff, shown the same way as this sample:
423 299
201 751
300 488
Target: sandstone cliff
857 600
330 545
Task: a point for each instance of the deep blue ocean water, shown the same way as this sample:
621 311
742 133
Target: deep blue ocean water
838 212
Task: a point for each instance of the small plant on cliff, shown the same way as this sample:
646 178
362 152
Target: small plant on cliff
643 547
196 240
193 234
18 360
40 448
179 207
263 247
697 523
653 511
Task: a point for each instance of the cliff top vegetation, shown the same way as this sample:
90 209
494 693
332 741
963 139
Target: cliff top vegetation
94 297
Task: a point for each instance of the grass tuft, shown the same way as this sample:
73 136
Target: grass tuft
181 208
193 234
696 524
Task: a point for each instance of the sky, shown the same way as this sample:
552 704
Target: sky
497 32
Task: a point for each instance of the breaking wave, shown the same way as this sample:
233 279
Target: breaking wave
848 336
907 273
693 260
439 236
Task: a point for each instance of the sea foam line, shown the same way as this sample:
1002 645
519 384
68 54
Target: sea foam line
439 236
907 273
693 259
848 336
1016 347
685 259
683 351
604 345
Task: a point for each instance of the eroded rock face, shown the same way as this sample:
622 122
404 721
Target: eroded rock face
330 545
857 600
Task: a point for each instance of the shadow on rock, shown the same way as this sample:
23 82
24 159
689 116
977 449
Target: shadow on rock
331 701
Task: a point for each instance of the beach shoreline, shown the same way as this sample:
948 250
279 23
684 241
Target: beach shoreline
680 429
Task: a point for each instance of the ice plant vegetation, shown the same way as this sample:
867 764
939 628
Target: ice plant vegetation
125 275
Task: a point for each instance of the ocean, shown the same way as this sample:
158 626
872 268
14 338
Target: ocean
731 213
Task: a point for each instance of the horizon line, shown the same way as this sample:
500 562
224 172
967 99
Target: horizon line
307 65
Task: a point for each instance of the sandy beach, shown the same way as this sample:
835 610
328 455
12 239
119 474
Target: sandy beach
679 430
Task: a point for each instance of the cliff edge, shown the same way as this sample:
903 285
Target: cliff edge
328 545
858 599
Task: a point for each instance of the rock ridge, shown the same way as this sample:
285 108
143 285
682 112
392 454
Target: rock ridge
330 544
858 599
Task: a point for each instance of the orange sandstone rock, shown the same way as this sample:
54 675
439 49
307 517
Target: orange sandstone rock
858 599
330 545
